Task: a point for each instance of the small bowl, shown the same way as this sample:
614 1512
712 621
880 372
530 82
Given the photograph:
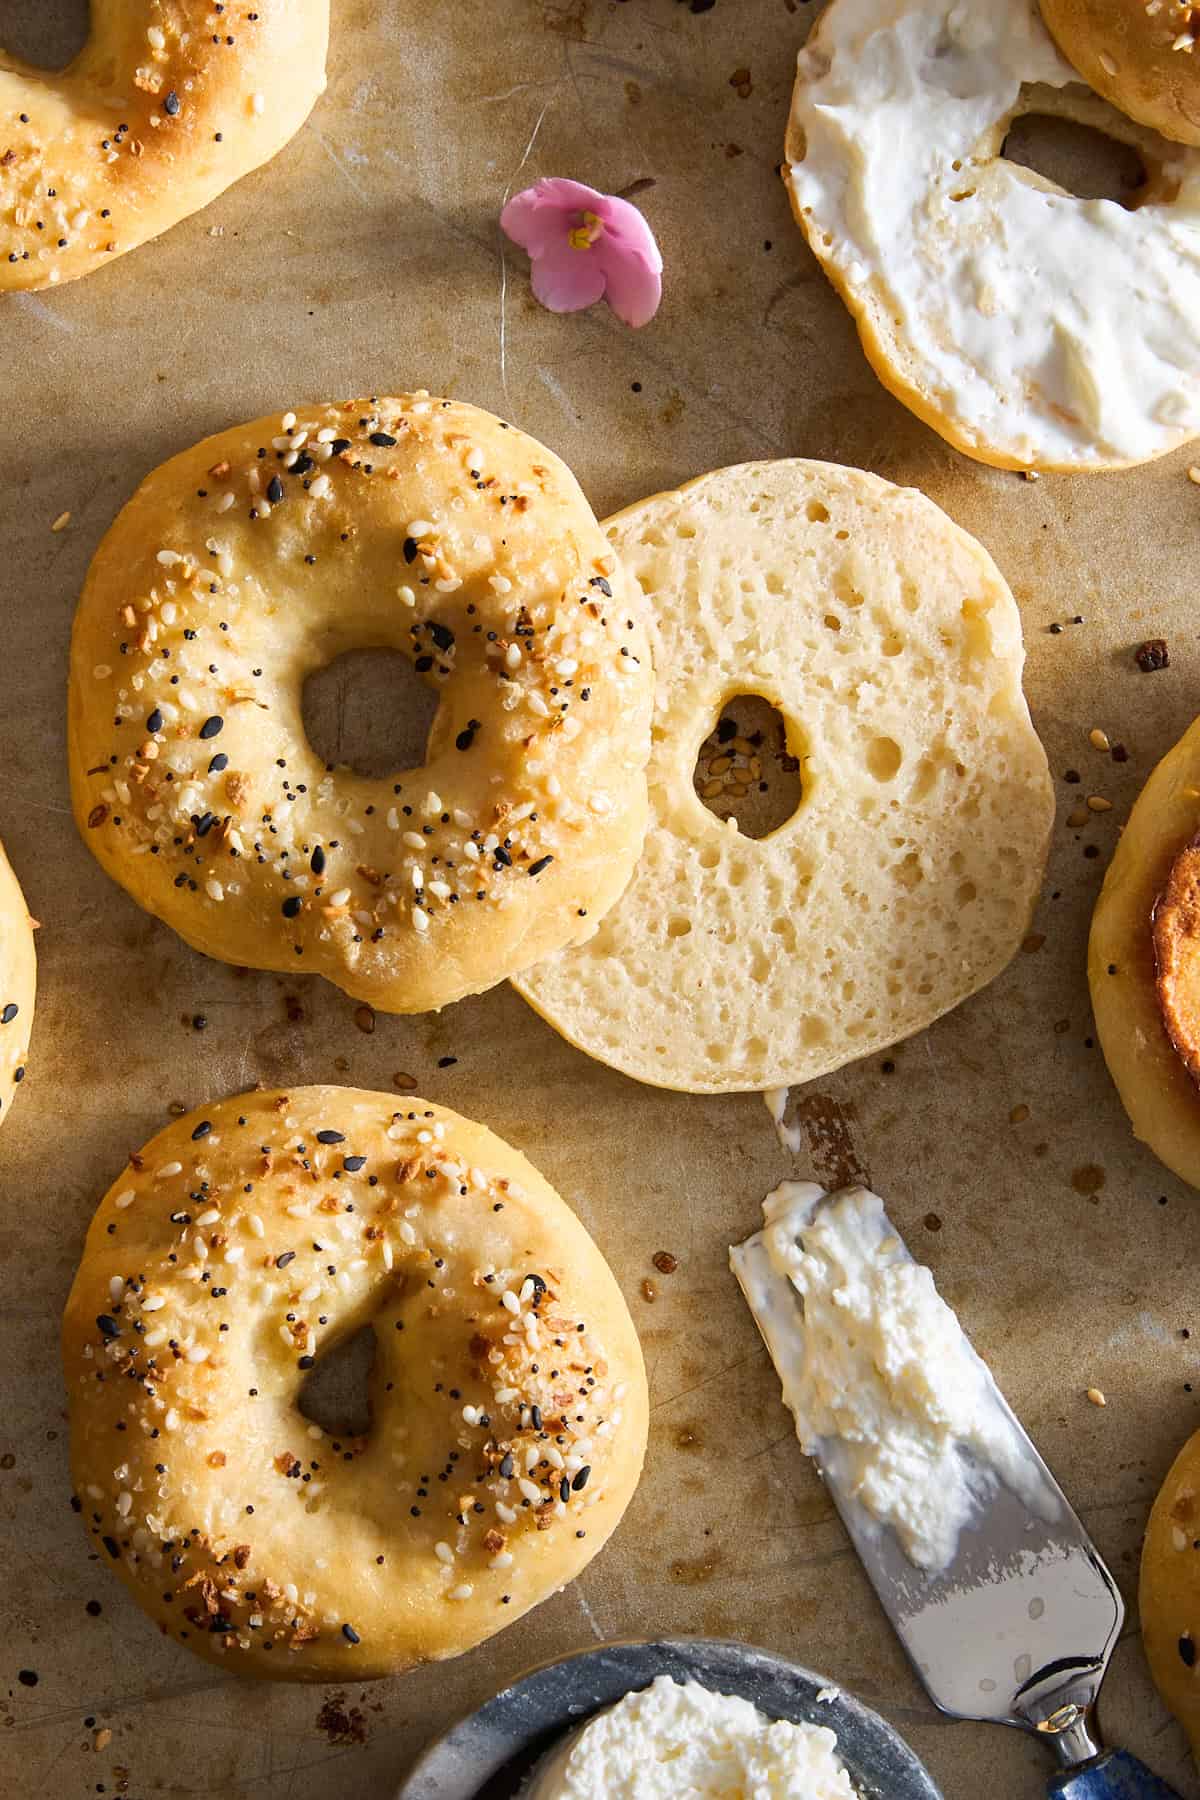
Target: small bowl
489 1754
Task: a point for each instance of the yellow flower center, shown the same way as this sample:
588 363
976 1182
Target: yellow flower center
586 234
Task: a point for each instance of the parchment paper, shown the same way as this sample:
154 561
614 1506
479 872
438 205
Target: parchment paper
366 258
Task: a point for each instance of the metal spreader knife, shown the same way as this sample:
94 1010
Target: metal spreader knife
1019 1627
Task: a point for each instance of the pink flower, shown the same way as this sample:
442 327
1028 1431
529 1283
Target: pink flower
583 246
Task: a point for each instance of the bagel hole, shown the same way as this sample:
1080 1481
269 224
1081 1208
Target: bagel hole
47 34
336 1395
745 770
1077 158
369 711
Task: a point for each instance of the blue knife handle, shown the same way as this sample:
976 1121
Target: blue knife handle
1113 1776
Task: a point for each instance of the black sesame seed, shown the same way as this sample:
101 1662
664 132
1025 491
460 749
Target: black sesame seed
351 1636
275 490
108 1326
284 1258
598 581
317 862
220 761
410 550
9 1014
1187 1652
307 1362
352 1164
111 1545
212 727
291 906
202 1130
442 635
382 438
543 862
171 104
580 1479
331 1137
155 721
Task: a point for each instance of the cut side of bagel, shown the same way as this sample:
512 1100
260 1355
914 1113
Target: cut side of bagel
1177 956
1141 962
904 881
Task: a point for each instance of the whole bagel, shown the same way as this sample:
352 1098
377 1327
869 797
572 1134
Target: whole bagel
1139 55
1150 1071
18 983
508 1397
169 102
249 562
1169 1595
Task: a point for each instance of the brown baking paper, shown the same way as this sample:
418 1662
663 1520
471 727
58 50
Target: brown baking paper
365 259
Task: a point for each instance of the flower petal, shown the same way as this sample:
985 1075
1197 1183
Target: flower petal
566 280
632 285
543 214
625 226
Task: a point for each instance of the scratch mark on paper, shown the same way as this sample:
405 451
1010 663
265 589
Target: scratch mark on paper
593 1622
338 164
512 182
40 310
558 390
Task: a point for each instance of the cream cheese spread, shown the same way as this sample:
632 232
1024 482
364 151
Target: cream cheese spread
674 1738
887 1393
1050 330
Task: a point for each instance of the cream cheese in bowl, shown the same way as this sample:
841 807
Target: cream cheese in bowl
675 1738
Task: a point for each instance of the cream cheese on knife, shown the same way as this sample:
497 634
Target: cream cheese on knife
883 1384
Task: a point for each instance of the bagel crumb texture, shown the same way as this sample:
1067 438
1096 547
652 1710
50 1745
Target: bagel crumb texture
169 103
253 560
508 1396
905 879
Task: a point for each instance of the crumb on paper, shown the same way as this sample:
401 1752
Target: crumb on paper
825 1695
1151 655
101 1739
1097 803
1018 1115
664 1262
649 1291
1096 1397
364 1018
1098 739
62 521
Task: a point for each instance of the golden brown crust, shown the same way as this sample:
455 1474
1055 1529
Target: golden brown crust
169 103
1169 1596
1176 933
253 559
18 983
1141 57
508 1395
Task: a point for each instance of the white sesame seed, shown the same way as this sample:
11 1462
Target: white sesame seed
320 487
258 105
420 919
470 1415
509 1299
124 1200
500 584
505 1395
538 705
168 558
512 656
419 528
529 1489
169 1169
462 1592
326 434
340 897
309 1293
102 671
443 1552
208 1217
506 1513
197 1354
124 1503
153 1302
